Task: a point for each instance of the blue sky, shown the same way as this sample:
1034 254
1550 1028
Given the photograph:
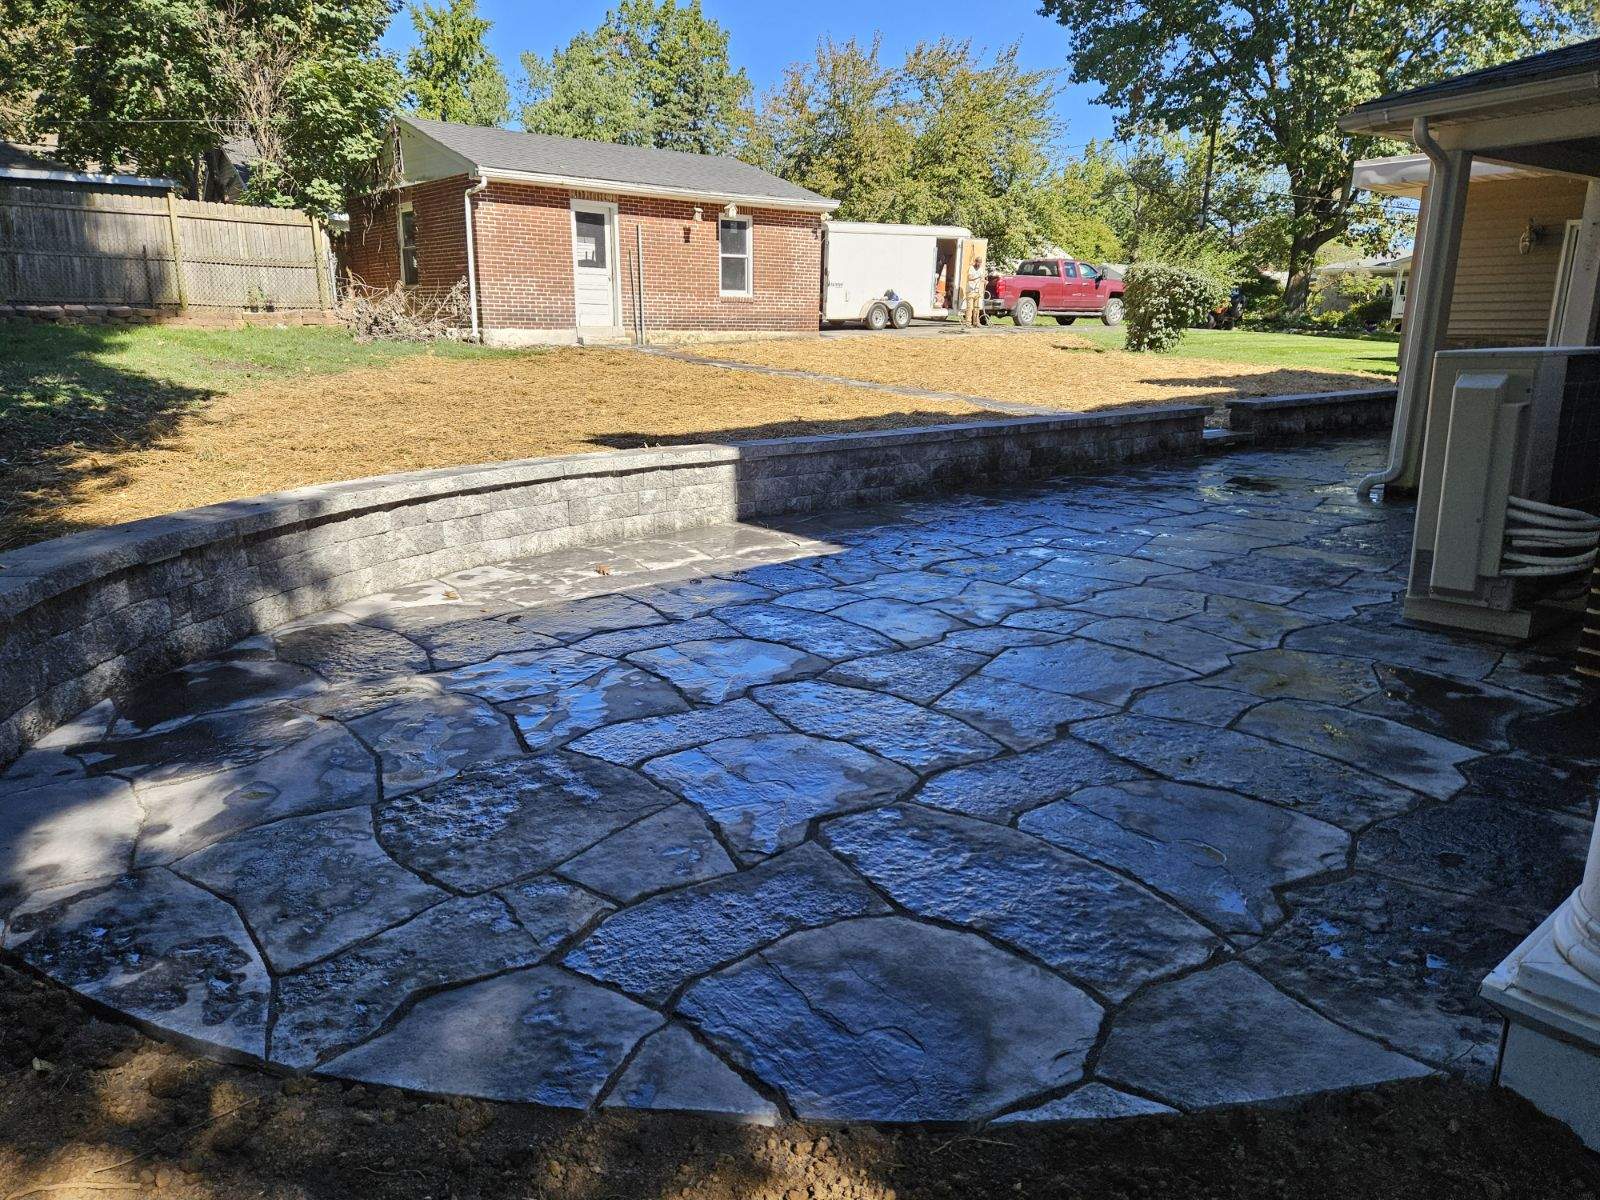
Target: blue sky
765 36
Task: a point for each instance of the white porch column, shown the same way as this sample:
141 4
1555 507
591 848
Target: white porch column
1577 927
1432 286
1549 991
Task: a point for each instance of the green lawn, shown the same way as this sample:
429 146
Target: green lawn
37 361
1374 353
70 391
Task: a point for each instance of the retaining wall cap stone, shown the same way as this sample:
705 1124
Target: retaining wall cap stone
828 442
35 573
1312 399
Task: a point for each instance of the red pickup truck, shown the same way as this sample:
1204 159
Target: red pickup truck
1063 288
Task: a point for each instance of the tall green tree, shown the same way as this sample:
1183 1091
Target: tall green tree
450 73
943 137
840 126
156 83
32 43
655 73
1280 74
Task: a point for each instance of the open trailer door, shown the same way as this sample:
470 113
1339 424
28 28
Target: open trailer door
973 250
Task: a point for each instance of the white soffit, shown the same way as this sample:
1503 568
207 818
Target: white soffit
1406 174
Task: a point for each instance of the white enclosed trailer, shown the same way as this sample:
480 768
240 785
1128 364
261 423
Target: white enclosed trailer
882 275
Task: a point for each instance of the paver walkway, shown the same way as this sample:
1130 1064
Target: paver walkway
1113 795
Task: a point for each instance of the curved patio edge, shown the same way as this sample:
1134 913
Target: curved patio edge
84 615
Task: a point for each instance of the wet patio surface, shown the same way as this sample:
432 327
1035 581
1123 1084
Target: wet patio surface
1114 795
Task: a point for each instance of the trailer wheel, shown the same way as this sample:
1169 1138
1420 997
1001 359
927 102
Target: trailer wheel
1111 314
901 317
1026 311
878 317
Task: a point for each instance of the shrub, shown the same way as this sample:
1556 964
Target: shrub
1163 301
1350 300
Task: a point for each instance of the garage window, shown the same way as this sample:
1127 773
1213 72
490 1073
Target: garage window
733 251
408 245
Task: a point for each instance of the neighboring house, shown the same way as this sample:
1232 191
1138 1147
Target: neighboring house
553 236
1330 297
1516 251
225 170
26 166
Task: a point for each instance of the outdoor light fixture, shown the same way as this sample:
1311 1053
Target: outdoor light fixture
1531 237
699 213
731 211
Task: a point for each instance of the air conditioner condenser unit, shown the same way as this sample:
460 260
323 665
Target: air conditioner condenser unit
1507 530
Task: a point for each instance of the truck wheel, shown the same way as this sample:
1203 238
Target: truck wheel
1065 320
901 317
1026 311
1111 314
878 317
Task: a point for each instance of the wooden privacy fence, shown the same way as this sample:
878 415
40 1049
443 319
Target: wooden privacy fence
61 247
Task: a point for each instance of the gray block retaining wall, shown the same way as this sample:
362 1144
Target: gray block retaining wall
86 615
1274 418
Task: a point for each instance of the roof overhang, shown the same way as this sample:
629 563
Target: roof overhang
1390 266
36 175
1491 101
619 188
1407 174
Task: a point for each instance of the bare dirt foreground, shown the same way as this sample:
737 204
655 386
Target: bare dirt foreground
89 1108
1064 370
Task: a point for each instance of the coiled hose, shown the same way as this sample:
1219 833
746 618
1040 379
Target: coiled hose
1548 541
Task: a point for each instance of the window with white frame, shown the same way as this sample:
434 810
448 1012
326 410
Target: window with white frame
408 245
733 251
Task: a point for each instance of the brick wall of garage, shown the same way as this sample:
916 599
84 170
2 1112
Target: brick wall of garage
524 258
371 251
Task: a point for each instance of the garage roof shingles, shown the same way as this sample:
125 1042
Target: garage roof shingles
603 162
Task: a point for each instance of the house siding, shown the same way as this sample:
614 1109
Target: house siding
1502 296
523 236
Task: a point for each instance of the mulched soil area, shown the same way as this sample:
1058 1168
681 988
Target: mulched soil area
89 1107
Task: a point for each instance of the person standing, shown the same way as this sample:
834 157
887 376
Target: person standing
973 311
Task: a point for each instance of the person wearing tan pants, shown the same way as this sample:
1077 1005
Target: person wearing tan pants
972 313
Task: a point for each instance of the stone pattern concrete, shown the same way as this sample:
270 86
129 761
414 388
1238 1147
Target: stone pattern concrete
1111 795
92 614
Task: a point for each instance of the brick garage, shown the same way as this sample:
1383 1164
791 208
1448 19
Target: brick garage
562 230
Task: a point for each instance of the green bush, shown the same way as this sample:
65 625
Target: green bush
1162 302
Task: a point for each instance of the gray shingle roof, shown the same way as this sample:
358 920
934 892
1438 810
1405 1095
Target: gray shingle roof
1568 60
602 162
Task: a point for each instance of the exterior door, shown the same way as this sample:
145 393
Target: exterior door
1072 284
594 264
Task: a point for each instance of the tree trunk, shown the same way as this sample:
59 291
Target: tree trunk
1297 291
1302 256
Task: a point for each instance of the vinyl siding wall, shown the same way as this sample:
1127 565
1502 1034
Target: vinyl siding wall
1503 297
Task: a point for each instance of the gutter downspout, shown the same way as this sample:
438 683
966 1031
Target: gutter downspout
472 261
1408 392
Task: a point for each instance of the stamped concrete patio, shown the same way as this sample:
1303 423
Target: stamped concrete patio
1116 795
